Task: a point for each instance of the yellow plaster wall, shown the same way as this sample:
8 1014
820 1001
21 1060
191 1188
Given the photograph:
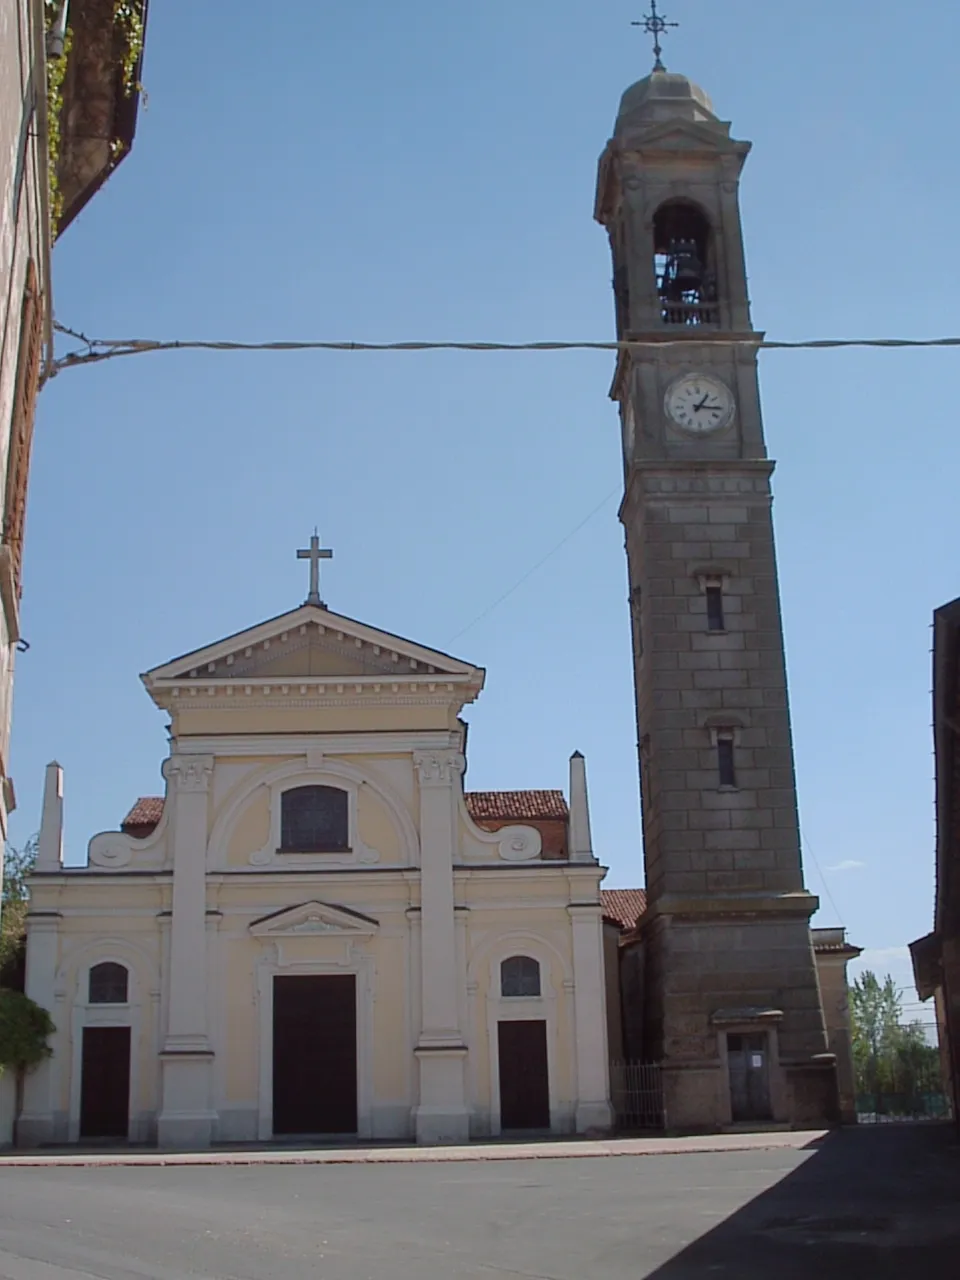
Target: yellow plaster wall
251 829
377 827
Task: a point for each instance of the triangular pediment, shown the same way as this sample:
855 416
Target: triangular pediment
314 918
310 644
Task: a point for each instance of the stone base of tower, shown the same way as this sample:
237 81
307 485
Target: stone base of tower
734 1015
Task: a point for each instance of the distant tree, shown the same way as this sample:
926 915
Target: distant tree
25 1027
14 902
888 1056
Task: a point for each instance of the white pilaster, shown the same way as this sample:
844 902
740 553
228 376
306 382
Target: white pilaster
581 843
50 842
186 1117
590 1020
36 1124
442 1114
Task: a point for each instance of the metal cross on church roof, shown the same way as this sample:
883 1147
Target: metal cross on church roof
656 25
314 554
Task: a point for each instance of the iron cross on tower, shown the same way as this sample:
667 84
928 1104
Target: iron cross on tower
656 25
315 553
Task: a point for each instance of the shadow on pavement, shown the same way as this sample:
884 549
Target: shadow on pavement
877 1203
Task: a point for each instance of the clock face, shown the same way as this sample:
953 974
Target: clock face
699 403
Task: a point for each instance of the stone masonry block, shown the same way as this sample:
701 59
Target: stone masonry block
701 699
718 642
700 660
688 515
732 800
732 840
710 820
719 679
739 661
751 819
690 550
727 515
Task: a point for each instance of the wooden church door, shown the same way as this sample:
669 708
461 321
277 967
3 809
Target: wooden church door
524 1081
105 1082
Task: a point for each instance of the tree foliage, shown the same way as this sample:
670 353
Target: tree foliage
24 1030
14 901
888 1055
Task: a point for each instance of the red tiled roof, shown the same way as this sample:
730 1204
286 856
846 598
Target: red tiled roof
516 805
623 906
147 812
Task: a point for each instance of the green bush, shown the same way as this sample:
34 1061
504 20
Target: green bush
24 1030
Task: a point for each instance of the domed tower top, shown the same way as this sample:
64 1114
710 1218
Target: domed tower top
663 95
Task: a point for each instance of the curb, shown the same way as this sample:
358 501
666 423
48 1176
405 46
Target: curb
635 1147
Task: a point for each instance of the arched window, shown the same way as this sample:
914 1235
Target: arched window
108 983
683 258
314 820
520 976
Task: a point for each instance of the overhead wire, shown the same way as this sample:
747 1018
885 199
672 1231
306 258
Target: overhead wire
96 350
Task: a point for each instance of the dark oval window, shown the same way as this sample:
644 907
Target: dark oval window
108 983
520 976
313 820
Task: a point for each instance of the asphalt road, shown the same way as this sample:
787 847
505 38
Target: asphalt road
870 1204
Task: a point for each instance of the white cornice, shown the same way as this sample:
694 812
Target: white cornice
388 742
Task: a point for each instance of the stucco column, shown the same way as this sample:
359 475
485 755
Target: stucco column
37 1121
442 1114
186 1118
590 1022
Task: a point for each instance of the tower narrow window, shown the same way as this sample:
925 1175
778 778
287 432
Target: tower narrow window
686 279
714 594
725 763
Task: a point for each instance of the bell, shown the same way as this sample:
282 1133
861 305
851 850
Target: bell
684 267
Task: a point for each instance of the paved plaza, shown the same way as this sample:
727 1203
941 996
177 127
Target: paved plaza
876 1204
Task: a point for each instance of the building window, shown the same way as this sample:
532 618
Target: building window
108 983
314 820
714 594
725 765
520 976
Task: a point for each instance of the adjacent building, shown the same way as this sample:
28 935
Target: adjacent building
69 91
936 957
315 931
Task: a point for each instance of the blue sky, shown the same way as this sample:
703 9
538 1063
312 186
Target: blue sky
385 172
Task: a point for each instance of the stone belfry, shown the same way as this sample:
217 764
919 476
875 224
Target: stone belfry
731 1002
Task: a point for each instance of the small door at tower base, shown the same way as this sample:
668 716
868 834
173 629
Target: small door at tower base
749 1068
524 1081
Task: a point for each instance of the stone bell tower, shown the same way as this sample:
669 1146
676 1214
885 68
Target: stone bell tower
732 1007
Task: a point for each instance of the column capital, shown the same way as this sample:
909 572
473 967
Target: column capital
188 773
438 768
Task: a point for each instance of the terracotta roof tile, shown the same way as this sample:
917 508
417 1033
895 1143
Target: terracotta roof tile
147 812
623 906
516 805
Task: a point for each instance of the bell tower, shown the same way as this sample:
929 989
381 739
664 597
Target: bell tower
732 1007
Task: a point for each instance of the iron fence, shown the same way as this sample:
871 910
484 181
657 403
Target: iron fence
887 1108
636 1090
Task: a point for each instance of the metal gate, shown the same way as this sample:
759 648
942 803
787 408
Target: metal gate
636 1090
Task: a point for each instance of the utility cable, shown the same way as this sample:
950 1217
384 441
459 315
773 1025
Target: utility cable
99 349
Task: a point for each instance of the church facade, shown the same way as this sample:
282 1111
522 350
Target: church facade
315 931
